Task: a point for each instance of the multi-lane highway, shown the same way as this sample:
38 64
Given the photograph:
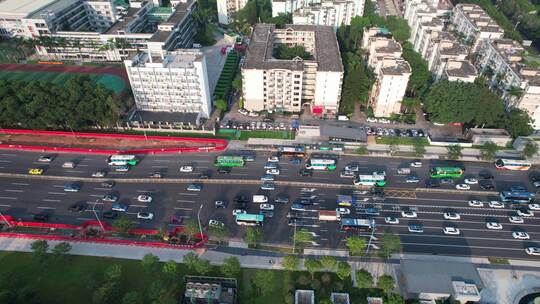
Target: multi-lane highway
23 197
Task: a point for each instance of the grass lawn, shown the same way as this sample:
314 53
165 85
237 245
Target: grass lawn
388 140
266 134
73 279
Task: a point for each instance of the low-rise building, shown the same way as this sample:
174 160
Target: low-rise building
170 82
304 296
390 86
226 9
330 12
340 298
479 136
459 70
474 25
271 84
210 290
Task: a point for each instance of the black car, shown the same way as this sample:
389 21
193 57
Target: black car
224 170
110 215
447 181
107 184
204 176
42 217
282 199
305 172
431 183
486 185
305 202
534 177
240 199
485 175
77 207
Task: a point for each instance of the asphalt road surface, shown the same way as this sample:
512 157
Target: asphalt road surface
23 197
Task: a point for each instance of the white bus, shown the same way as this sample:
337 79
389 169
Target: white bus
513 164
122 160
370 180
319 163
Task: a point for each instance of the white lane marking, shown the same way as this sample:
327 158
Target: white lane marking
51 200
190 194
7 154
58 186
4 161
132 213
460 228
462 246
160 167
5 206
74 171
181 208
96 195
10 190
185 201
57 193
20 184
101 188
138 206
8 197
82 165
161 160
239 174
45 207
317 177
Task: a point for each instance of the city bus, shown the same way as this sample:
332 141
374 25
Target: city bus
370 180
250 219
519 197
229 161
292 151
321 163
357 225
122 160
346 200
513 164
446 172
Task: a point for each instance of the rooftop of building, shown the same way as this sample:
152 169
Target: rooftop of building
24 7
176 59
460 68
127 19
180 12
479 17
454 49
340 298
395 67
259 53
391 46
304 297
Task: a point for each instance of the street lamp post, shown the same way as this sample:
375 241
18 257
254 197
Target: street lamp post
97 217
199 218
371 236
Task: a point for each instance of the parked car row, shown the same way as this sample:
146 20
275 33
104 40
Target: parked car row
394 132
385 121
255 125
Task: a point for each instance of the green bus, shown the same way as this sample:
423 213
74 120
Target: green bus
229 161
446 172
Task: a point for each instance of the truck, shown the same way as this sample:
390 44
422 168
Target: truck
329 215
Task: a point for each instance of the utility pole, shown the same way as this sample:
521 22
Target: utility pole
371 236
294 239
97 217
5 220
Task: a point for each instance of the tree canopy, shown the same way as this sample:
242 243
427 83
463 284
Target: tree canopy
421 77
286 52
77 104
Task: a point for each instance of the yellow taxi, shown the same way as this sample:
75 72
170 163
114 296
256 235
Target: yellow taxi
35 171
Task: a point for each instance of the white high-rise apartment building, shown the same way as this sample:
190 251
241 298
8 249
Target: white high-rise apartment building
475 25
273 84
331 13
228 8
393 72
290 6
170 82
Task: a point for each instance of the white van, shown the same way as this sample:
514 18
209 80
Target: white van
68 165
260 199
197 46
404 170
342 117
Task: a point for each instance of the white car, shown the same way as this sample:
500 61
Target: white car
362 192
268 186
520 235
268 207
532 250
409 214
343 211
476 203
253 114
273 159
145 215
243 111
215 223
270 166
496 204
352 168
416 164
471 181
463 187
272 171
516 219
534 207
370 119
451 216
494 226
99 174
391 220
144 198
238 211
524 213
186 169
451 231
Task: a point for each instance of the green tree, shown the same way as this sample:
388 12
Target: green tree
343 270
399 27
454 151
231 267
156 291
39 250
362 150
390 243
61 249
328 262
419 146
356 245
302 237
325 301
218 232
221 105
191 228
518 123
488 150
263 280
286 52
170 270
123 225
290 262
420 78
312 266
132 297
253 235
150 263
530 149
203 266
364 279
190 259
237 82
394 298
386 283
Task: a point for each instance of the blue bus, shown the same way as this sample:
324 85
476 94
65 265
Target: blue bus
346 200
517 196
